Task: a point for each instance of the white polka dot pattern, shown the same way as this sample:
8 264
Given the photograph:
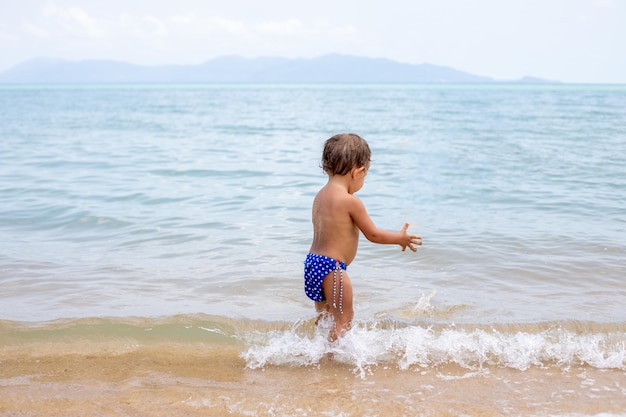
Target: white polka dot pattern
316 267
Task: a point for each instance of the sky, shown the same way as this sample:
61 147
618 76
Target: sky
582 41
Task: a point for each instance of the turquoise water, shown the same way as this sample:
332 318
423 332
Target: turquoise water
157 200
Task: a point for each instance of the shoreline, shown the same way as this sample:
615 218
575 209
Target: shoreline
172 381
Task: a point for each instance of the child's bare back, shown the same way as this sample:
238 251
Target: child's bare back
334 232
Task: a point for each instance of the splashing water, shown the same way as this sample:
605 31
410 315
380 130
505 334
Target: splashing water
371 344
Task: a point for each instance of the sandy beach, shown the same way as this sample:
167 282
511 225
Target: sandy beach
193 380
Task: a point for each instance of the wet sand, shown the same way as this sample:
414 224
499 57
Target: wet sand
191 380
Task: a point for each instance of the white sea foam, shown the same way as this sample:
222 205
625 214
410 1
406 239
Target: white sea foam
409 347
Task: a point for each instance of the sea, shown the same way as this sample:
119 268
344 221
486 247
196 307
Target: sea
152 239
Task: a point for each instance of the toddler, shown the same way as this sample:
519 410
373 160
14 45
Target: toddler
338 216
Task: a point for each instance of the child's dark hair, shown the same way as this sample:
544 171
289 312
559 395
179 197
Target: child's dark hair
343 152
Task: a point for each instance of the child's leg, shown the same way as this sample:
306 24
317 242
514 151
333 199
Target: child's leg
321 307
338 302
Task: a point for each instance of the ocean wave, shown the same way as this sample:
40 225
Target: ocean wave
370 344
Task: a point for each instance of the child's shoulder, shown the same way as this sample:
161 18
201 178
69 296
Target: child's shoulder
335 196
333 192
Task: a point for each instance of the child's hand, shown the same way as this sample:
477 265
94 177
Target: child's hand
409 240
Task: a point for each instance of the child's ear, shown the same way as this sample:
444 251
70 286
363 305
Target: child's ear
357 171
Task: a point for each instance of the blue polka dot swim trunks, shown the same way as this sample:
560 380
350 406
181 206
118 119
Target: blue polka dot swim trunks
316 267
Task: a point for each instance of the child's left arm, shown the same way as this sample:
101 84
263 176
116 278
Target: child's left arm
409 240
376 235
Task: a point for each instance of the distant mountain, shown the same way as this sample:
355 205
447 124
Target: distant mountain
332 68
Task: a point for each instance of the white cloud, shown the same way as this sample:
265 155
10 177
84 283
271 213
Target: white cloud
75 26
235 27
35 31
604 3
158 27
180 26
282 28
5 37
289 28
73 20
